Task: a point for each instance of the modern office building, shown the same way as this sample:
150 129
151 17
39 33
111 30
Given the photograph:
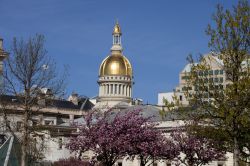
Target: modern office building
215 74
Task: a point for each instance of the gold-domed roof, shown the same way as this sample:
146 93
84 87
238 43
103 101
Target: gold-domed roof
117 65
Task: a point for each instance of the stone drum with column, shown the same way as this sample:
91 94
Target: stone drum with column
115 75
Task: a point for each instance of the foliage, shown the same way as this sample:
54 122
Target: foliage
115 136
195 150
35 149
226 109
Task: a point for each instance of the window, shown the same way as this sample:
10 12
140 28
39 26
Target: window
216 79
60 143
205 95
48 122
211 87
200 73
119 164
221 79
185 77
220 163
221 71
111 89
211 72
155 164
35 122
115 89
168 164
205 73
216 72
18 126
180 97
196 88
107 89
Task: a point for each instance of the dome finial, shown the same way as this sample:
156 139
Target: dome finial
117 28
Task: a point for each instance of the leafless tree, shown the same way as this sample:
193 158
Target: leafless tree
27 71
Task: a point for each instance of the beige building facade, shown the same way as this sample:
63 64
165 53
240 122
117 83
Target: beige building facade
215 74
3 55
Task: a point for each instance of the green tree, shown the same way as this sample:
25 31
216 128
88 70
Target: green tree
225 109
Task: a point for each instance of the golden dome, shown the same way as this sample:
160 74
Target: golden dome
116 65
117 29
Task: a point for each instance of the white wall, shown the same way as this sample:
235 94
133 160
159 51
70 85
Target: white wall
166 95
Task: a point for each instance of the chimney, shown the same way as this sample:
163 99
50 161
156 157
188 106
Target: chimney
74 98
3 54
1 43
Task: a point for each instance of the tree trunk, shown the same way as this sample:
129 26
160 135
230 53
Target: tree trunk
107 163
25 139
236 152
142 161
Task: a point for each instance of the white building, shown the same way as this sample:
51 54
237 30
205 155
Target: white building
168 96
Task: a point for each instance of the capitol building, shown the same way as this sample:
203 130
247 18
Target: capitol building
115 80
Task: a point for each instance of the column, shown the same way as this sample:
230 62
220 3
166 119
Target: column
122 90
130 91
100 90
104 89
113 88
126 90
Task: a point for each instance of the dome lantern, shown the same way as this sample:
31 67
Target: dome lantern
117 42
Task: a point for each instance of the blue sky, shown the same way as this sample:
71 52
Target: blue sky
157 36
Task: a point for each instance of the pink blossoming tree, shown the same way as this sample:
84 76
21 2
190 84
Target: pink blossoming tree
196 151
113 136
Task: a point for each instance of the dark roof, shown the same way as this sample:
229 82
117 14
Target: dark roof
155 113
83 104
